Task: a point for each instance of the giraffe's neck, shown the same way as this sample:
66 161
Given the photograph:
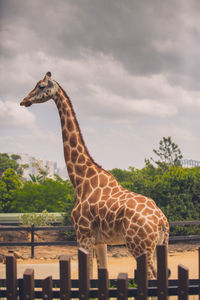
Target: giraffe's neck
79 163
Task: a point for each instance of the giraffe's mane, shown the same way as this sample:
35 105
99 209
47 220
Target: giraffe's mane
77 124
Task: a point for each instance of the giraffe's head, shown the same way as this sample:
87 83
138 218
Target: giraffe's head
44 90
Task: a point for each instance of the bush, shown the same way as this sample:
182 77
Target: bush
38 219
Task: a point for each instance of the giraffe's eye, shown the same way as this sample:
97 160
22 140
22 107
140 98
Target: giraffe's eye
42 86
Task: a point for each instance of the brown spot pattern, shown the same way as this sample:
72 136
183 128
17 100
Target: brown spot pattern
74 156
65 135
94 181
67 152
80 170
70 125
79 180
86 189
140 199
84 222
140 207
102 211
95 196
80 149
62 121
90 172
81 159
70 168
129 213
103 180
131 203
73 140
106 191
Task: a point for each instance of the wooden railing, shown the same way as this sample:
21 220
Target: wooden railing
121 288
32 229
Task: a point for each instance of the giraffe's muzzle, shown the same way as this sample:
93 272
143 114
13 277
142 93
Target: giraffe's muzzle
26 103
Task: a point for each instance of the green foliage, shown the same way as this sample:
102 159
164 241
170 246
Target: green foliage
42 172
113 284
11 162
36 178
121 175
38 219
68 205
185 230
49 194
10 183
67 208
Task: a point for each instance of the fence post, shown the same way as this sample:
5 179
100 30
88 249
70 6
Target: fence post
162 272
142 280
65 277
199 273
84 280
20 283
28 284
103 285
122 286
11 277
47 288
32 240
183 282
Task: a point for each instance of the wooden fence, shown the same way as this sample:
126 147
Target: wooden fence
28 288
32 229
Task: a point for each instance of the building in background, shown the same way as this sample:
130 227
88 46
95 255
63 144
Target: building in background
51 166
190 163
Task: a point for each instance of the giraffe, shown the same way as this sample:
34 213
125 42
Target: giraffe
105 213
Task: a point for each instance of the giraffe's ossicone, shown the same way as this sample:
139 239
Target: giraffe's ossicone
105 213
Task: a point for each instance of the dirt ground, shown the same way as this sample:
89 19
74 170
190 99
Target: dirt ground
119 260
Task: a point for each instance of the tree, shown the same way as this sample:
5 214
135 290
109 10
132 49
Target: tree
168 153
11 161
121 175
42 172
36 178
49 194
9 184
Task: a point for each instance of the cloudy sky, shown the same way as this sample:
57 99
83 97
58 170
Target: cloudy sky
131 69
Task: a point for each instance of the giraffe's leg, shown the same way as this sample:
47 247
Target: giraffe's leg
151 271
136 252
88 246
101 255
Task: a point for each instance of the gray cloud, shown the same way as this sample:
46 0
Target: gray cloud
130 31
132 66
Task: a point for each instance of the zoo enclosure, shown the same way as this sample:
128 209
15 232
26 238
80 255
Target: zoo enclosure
101 288
32 229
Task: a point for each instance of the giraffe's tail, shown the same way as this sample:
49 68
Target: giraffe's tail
164 235
164 239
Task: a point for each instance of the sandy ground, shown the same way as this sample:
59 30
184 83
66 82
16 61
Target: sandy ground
46 260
